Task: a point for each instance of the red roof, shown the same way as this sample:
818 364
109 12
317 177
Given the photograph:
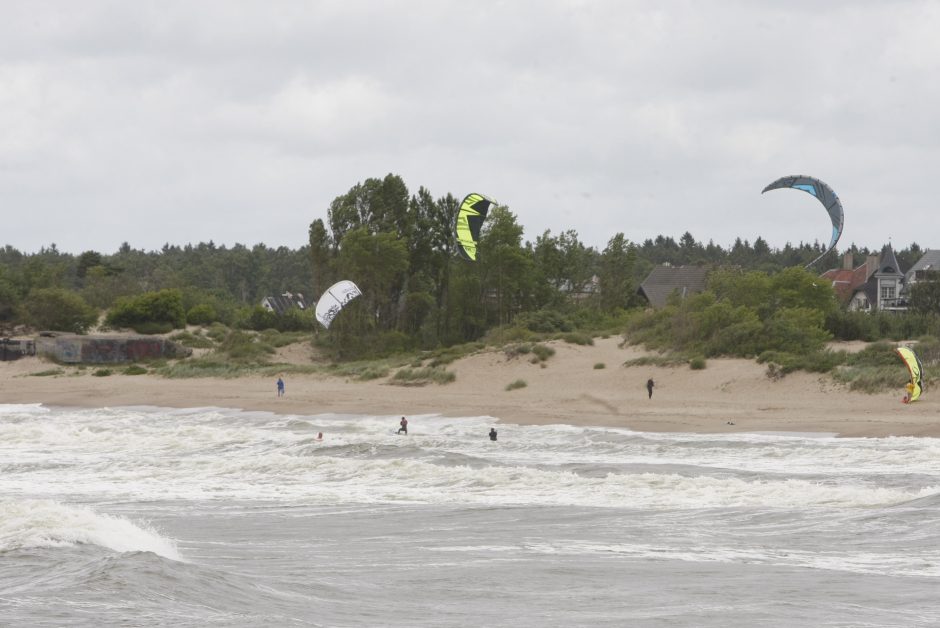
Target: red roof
845 282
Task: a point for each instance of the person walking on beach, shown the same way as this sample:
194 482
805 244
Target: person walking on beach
404 426
280 387
492 433
649 387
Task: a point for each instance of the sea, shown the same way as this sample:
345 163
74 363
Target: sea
147 516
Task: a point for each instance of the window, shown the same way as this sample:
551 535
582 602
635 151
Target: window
887 292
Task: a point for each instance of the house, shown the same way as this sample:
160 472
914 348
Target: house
585 291
882 290
848 279
926 268
666 280
282 302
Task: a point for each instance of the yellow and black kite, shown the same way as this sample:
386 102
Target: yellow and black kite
470 219
916 386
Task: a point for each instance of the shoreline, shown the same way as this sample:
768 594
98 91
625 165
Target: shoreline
569 389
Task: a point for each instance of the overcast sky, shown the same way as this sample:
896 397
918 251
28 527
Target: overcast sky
239 122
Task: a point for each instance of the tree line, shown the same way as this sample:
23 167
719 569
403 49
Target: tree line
399 248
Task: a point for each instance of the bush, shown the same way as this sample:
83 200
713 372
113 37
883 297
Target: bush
48 373
59 310
153 328
218 332
543 352
194 341
203 314
519 383
362 371
420 376
697 364
102 372
577 338
135 369
245 347
782 363
149 311
514 351
599 365
544 321
9 299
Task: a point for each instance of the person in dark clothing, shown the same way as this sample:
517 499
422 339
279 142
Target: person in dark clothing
404 426
649 387
492 433
280 387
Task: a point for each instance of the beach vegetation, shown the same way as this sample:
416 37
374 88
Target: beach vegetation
599 365
418 299
207 366
135 369
539 352
669 359
102 373
193 340
697 363
516 350
420 376
542 352
243 346
56 309
515 385
781 363
217 332
150 312
202 314
446 355
279 339
577 338
742 314
877 367
48 373
9 299
361 371
546 321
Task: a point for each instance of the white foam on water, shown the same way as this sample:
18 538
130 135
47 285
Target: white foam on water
45 523
927 565
212 453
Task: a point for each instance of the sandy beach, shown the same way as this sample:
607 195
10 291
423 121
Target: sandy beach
730 395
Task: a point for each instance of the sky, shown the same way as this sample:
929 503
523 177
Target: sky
240 121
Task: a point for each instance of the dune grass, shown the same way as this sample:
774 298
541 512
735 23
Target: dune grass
420 376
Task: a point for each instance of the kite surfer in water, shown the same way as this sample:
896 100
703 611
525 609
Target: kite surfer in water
492 433
404 426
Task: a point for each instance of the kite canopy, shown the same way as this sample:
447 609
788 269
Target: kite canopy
335 299
916 386
824 194
470 219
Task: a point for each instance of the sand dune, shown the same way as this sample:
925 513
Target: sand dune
568 389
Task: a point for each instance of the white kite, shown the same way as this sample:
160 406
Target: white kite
335 299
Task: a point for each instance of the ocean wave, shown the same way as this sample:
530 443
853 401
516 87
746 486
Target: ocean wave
35 523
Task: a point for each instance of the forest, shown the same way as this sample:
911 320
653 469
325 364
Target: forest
399 248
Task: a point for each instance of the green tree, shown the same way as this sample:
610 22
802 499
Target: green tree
563 265
616 277
149 312
320 256
377 264
505 267
57 309
925 296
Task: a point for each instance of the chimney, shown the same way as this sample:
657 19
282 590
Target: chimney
871 263
848 261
